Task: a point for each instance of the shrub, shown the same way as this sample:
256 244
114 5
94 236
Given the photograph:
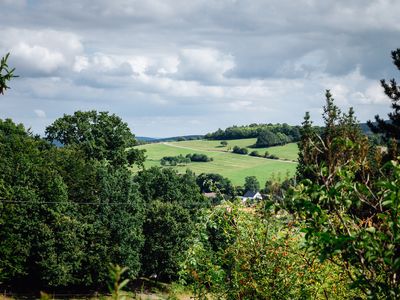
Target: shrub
238 150
242 255
199 157
255 153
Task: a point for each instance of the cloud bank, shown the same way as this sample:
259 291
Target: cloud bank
189 67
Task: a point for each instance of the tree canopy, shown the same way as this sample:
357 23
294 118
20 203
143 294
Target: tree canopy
99 134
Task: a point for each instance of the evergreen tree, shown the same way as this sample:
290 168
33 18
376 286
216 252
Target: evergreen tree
390 129
307 133
341 142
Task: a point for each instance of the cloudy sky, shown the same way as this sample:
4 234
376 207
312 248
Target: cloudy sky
175 67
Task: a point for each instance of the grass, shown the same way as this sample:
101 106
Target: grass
233 166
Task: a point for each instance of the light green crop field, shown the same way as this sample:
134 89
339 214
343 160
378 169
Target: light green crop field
233 166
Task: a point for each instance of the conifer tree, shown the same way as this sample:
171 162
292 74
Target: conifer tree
304 145
390 129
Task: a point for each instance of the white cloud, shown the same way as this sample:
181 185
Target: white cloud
40 52
216 62
38 58
40 113
204 64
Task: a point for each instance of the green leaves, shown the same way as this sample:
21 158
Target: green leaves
99 135
116 286
6 74
357 223
238 254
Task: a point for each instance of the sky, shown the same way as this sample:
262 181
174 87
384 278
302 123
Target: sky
182 67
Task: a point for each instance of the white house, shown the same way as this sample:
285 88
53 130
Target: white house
251 196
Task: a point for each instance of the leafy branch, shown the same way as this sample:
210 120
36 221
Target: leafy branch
6 74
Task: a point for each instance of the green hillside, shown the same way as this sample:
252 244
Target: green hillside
234 166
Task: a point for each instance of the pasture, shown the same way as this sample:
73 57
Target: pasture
233 166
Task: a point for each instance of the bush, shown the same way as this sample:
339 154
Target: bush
174 160
242 255
238 150
198 157
255 153
358 224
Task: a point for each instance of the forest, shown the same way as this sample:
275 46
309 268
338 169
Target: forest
332 232
266 134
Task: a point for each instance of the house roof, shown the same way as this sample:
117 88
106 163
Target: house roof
250 194
210 195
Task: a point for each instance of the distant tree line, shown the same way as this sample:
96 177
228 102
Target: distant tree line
254 130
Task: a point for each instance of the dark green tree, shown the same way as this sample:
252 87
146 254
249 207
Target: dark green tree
99 134
212 182
167 185
390 129
239 150
167 229
41 236
267 138
306 147
251 184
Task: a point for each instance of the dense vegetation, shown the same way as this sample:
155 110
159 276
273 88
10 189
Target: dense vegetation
62 214
174 160
253 131
199 157
239 150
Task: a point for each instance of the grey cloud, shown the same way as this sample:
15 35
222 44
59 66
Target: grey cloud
211 61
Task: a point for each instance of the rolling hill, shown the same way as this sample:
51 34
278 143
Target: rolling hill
234 166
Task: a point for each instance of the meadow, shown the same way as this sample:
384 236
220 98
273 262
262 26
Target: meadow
233 166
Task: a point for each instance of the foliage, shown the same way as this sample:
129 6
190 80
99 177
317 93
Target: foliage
98 134
238 150
63 217
341 142
6 74
348 204
199 157
180 159
174 160
251 184
212 182
359 224
167 228
224 143
253 131
242 255
267 138
390 129
167 185
255 153
116 286
36 219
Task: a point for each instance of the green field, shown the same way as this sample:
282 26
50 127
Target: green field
234 166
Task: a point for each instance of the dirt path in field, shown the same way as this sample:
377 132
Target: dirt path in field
221 151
